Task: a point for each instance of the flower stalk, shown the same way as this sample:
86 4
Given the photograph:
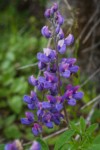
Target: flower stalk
48 108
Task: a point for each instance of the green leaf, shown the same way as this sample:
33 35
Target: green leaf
63 138
97 140
9 120
82 124
94 147
2 146
91 128
74 127
16 104
66 147
43 144
12 132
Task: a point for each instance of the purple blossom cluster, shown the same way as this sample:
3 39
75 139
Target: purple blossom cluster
48 109
16 145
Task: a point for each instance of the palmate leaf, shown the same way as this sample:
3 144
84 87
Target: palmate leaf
63 138
43 144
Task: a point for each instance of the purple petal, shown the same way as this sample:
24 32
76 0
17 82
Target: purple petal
72 102
69 40
51 99
46 105
25 121
55 7
35 131
41 65
74 69
31 106
61 34
47 13
62 49
29 116
57 29
59 19
49 124
42 57
8 146
46 32
35 146
66 74
27 99
78 95
59 107
32 81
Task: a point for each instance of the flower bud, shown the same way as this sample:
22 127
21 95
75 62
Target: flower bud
69 40
46 32
47 13
61 34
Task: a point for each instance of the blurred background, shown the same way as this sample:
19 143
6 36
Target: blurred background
20 40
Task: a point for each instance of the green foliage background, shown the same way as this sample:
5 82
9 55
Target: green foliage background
20 40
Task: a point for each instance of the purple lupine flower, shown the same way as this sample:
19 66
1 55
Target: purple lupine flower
32 80
50 77
70 61
29 118
47 120
72 94
61 46
10 146
49 112
52 68
67 67
59 107
42 65
42 57
46 32
54 7
48 56
50 12
51 99
36 146
46 105
51 54
31 100
78 95
47 13
56 118
59 18
54 89
27 99
61 34
72 101
55 102
36 129
69 40
15 145
57 29
63 43
43 84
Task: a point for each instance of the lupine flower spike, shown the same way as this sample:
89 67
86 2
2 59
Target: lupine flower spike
48 111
